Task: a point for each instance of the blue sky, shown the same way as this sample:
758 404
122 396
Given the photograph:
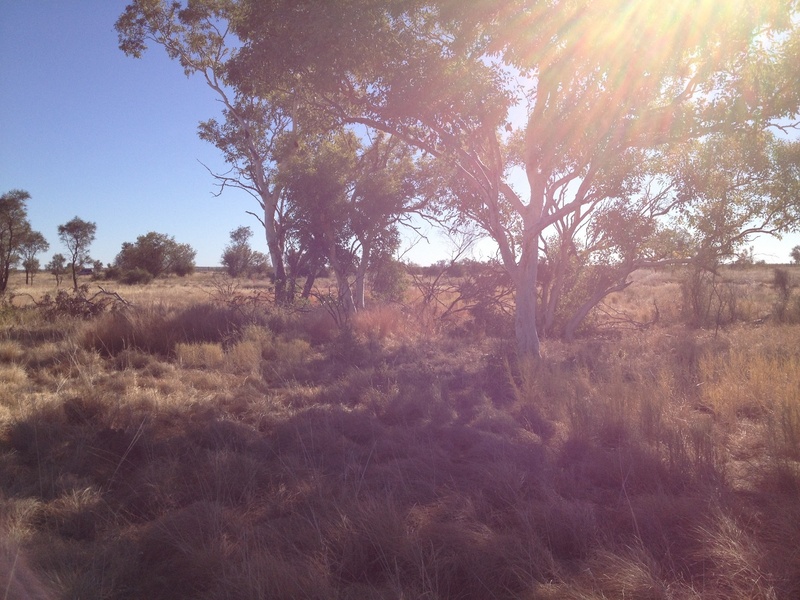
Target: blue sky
90 132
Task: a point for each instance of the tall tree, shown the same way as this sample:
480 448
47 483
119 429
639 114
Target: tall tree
604 86
32 244
253 133
389 185
77 235
348 195
14 226
317 181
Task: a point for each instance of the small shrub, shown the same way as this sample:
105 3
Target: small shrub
318 326
389 283
137 276
79 304
10 351
782 284
112 272
781 281
708 300
158 330
244 356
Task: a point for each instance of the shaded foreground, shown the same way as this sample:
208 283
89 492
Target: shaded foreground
188 452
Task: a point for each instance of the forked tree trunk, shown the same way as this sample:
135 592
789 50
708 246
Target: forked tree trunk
345 294
556 290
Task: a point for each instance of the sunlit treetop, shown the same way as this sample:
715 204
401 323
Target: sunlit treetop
597 76
591 98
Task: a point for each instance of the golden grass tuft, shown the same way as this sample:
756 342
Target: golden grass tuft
382 322
750 384
11 351
12 375
199 356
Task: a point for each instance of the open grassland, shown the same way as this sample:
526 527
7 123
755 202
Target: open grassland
201 444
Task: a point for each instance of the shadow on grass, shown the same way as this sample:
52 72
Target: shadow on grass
423 480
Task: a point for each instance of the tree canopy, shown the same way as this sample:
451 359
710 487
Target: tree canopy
77 235
601 91
158 254
577 133
32 244
239 258
14 231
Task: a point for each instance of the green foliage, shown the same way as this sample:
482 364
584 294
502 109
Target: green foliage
32 244
31 266
14 230
795 255
57 267
239 259
77 235
157 254
604 134
135 276
388 280
637 153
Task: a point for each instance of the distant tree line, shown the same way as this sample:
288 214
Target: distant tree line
151 255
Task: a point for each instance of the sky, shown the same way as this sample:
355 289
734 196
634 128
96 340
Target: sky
93 133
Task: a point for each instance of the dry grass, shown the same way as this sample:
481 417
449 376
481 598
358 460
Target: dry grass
184 449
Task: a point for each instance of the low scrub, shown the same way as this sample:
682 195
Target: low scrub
158 330
203 451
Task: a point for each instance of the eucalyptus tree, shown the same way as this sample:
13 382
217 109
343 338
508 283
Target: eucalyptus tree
57 267
390 184
603 88
239 258
316 182
14 229
348 195
32 244
77 235
252 135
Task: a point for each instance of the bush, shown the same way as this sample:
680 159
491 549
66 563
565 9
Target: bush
112 272
158 254
159 331
137 276
782 284
79 304
707 299
389 282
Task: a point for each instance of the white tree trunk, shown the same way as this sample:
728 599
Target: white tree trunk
525 301
359 285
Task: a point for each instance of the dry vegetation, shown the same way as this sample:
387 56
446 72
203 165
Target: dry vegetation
199 446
